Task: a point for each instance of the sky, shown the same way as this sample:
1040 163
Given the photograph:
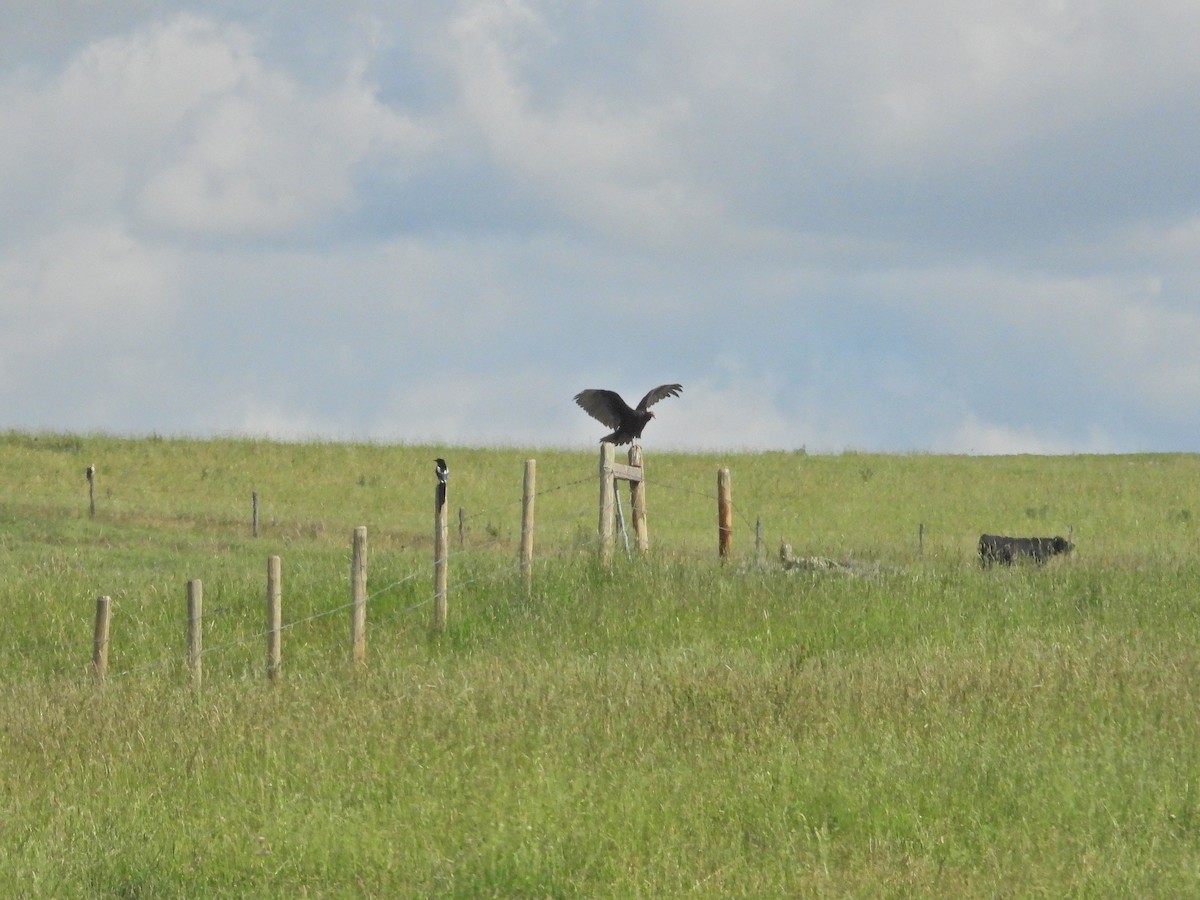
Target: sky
874 225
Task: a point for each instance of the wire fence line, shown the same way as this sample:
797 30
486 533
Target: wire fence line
480 550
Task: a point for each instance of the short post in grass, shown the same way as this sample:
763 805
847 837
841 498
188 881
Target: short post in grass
100 638
195 614
637 498
274 616
528 495
358 596
462 527
90 472
724 514
254 513
608 503
441 569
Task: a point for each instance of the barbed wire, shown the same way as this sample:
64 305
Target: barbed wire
309 569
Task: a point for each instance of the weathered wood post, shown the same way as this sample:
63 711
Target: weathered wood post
724 514
528 497
90 472
440 548
358 596
274 616
608 504
254 513
637 499
100 638
195 623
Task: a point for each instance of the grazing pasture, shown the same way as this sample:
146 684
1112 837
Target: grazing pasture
907 724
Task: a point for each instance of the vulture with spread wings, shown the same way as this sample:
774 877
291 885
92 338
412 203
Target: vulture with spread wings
608 408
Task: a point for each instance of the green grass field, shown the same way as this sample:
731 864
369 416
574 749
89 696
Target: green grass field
669 727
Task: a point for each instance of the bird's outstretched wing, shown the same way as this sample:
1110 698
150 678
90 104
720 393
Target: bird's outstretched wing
606 407
660 392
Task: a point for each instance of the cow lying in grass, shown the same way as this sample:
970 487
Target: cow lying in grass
995 548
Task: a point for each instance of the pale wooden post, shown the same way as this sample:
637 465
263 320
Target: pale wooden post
724 514
637 499
358 596
528 495
195 622
274 616
608 505
100 638
440 562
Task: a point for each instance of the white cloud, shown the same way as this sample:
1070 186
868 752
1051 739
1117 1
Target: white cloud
977 437
181 126
605 165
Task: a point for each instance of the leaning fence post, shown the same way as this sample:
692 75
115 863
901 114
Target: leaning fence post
274 616
637 499
195 614
440 550
608 506
100 638
528 496
358 596
724 514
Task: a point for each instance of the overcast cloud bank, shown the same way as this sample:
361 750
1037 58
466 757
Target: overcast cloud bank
949 227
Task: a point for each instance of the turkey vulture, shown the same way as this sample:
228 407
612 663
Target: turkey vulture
608 407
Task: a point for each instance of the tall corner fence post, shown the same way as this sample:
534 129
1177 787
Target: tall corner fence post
274 617
724 514
358 596
195 631
100 638
441 570
608 505
528 500
637 498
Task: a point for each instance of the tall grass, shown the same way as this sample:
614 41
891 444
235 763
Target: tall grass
669 727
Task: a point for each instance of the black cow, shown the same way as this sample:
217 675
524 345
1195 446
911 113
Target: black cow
994 548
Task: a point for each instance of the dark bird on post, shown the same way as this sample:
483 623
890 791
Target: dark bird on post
443 476
627 423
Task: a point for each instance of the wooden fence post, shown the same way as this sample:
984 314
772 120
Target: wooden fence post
637 499
100 638
440 561
528 497
724 514
274 616
254 513
358 596
195 623
462 527
91 480
608 505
